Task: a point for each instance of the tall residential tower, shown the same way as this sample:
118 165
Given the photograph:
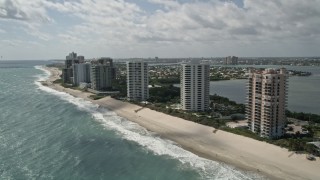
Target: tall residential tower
102 74
81 73
267 100
195 86
67 71
137 81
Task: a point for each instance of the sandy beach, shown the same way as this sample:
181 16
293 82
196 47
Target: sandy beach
239 151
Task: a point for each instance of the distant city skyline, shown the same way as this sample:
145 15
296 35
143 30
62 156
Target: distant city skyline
48 29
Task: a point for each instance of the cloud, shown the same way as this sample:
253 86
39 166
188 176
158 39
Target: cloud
11 42
23 10
221 21
33 29
189 21
198 26
168 4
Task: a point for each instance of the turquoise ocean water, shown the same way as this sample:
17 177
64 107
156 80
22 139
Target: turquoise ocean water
45 134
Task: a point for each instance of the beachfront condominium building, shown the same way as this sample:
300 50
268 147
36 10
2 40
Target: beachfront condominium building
102 74
137 80
67 75
80 59
266 103
67 71
81 73
71 59
231 60
195 86
109 62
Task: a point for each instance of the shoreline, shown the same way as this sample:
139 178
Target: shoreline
244 153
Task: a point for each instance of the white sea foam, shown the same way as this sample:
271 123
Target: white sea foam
42 77
133 132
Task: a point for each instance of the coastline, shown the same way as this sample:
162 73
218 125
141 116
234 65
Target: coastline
239 151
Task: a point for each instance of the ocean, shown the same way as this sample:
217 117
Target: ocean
46 134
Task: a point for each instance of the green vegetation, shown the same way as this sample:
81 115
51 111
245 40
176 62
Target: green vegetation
295 144
313 118
314 130
165 81
56 65
226 73
96 97
58 81
65 85
164 98
77 88
218 78
222 100
120 85
292 143
201 118
225 106
299 73
164 94
164 75
244 132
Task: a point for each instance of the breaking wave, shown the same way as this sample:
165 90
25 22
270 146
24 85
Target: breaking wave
131 131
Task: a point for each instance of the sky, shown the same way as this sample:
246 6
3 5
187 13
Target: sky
50 29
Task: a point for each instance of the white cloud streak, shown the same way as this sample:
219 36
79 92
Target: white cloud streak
206 24
24 10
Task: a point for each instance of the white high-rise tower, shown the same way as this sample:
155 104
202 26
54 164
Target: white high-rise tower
195 86
137 81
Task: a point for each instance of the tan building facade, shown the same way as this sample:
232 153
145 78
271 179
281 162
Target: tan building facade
267 101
